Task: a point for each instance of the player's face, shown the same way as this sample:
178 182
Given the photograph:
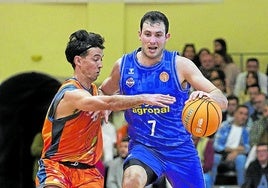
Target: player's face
91 64
153 39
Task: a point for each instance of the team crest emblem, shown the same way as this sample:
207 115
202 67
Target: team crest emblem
164 76
130 82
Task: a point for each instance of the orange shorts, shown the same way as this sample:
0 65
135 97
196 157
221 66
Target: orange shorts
53 173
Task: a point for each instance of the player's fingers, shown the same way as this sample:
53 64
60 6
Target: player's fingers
167 99
96 113
106 115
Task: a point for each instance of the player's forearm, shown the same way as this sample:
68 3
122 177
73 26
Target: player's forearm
120 102
218 96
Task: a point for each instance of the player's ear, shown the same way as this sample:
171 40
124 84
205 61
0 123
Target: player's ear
167 36
139 34
77 60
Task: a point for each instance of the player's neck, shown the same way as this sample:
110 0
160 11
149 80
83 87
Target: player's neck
85 84
145 60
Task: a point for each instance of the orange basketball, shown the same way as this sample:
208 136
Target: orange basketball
201 117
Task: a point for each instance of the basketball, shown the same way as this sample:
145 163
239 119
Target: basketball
201 117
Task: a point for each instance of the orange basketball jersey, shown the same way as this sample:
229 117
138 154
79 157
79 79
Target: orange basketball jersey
74 138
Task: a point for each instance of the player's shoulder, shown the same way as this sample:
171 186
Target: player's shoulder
183 61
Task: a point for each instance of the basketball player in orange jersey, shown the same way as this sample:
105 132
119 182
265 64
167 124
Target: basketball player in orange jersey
159 144
72 128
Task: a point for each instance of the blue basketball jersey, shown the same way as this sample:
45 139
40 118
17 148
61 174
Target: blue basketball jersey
151 125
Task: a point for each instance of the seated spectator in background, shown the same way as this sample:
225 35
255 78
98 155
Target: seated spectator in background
217 73
204 146
251 79
228 114
220 84
257 172
190 53
201 52
121 133
252 91
109 140
220 45
259 104
206 64
231 143
252 65
258 133
115 167
230 69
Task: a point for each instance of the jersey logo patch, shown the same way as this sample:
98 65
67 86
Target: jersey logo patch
164 76
131 71
130 82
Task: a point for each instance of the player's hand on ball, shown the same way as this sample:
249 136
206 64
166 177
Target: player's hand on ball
198 94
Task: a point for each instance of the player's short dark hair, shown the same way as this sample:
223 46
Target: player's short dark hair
155 17
79 42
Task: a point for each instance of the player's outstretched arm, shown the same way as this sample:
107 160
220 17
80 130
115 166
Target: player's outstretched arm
82 100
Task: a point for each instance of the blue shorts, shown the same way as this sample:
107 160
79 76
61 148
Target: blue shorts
180 165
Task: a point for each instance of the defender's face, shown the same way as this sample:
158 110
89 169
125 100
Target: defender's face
91 64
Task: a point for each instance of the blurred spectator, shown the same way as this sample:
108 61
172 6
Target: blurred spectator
206 64
109 140
121 133
221 47
204 146
220 84
252 65
200 54
190 52
115 167
252 91
257 172
217 73
228 114
231 144
251 79
259 104
259 126
258 133
230 69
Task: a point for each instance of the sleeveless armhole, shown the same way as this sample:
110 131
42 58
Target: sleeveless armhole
57 98
122 66
174 65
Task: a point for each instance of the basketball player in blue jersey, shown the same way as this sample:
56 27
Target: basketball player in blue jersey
159 143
